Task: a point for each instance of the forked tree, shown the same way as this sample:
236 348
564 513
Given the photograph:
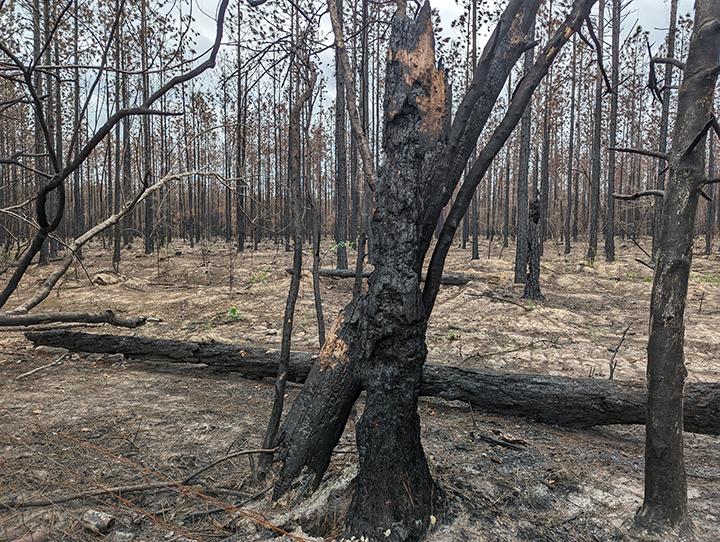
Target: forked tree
378 342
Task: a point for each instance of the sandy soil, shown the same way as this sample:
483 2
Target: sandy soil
98 421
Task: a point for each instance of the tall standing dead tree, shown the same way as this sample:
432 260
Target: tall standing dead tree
665 502
378 342
596 142
295 193
341 203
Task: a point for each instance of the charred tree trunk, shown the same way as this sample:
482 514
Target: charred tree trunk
532 279
665 118
341 203
596 141
521 221
571 151
612 134
665 503
380 344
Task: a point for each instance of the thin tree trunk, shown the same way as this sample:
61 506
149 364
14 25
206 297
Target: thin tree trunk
341 203
149 225
571 150
521 223
596 140
665 118
475 254
710 190
665 502
296 210
612 134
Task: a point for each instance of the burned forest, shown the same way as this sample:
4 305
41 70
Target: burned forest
359 270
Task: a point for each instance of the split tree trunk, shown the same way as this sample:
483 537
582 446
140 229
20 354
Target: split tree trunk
573 402
380 345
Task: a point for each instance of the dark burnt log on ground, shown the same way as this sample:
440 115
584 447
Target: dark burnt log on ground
446 280
574 402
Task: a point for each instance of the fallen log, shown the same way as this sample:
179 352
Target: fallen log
107 317
447 280
574 402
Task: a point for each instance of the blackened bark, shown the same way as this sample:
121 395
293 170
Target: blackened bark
394 490
665 502
571 150
521 221
532 278
380 345
665 118
341 203
710 190
596 141
317 418
612 134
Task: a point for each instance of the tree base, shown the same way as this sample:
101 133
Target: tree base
652 523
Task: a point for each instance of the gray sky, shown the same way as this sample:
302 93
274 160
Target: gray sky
652 15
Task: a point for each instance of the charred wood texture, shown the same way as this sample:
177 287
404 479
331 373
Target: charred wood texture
573 402
665 502
532 280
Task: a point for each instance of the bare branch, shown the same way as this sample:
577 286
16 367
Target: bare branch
596 41
641 194
667 60
643 152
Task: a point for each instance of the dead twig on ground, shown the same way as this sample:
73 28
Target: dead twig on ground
119 490
58 361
